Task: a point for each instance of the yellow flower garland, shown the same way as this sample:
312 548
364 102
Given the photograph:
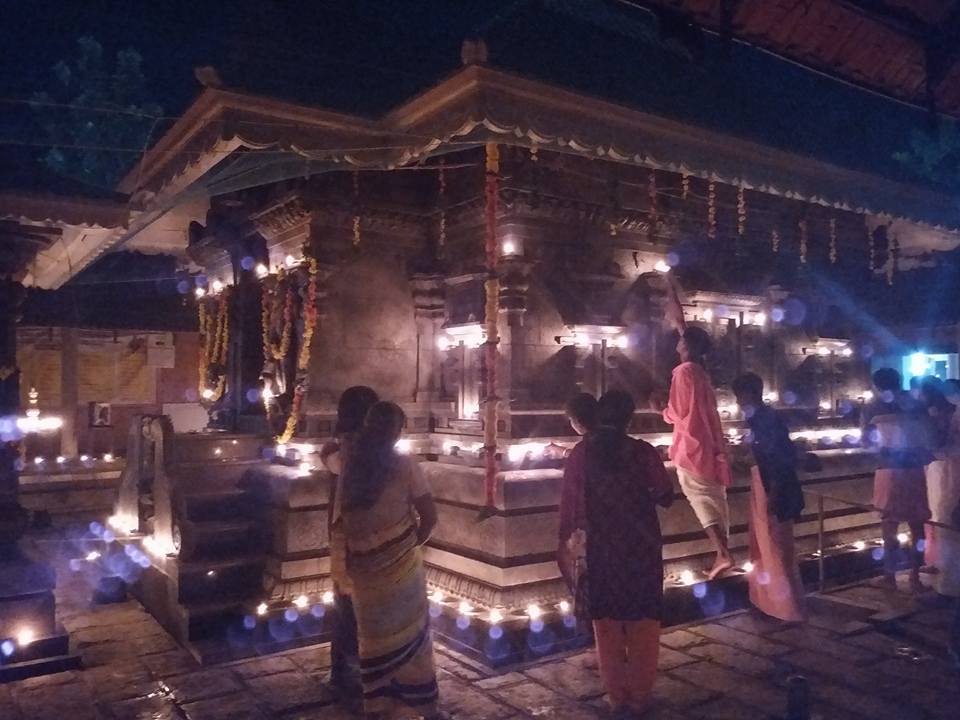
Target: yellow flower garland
214 345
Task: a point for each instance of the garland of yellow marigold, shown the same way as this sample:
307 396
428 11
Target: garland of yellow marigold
303 356
270 350
215 330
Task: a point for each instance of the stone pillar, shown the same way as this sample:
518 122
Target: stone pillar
69 390
514 285
13 518
429 311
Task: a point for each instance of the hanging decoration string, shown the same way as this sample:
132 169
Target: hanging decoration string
684 186
775 240
492 313
893 258
652 194
356 208
803 242
214 345
442 201
712 210
833 241
741 211
871 252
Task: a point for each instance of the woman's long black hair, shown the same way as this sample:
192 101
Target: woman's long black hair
372 456
614 413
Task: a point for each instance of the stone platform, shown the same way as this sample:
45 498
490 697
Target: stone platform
730 668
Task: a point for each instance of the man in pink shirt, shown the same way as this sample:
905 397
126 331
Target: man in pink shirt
698 450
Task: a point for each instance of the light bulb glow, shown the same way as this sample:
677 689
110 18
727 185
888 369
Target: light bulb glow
207 394
708 315
534 612
38 460
621 341
825 405
281 450
564 607
217 286
509 247
290 260
262 270
436 596
199 292
301 601
823 351
25 636
443 343
903 538
327 597
661 267
84 458
61 459
860 545
403 446
92 555
686 577
108 457
748 566
760 319
846 352
465 608
496 616
262 609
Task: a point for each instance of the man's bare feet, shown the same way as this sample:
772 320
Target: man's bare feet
720 566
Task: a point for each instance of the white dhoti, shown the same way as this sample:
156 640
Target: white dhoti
708 499
947 541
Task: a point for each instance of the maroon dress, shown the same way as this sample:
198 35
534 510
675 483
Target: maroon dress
624 547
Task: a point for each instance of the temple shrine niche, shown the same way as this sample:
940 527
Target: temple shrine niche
490 217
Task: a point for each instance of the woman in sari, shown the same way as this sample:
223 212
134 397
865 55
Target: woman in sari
776 502
621 481
352 408
387 513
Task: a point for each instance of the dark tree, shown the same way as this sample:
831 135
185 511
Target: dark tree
97 119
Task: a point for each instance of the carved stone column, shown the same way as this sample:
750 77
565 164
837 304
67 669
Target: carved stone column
429 310
514 286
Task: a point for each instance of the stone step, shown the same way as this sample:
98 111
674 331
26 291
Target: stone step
219 538
240 578
12 672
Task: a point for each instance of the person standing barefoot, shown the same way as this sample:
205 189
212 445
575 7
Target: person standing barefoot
699 450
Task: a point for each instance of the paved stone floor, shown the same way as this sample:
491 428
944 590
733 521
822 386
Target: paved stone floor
734 667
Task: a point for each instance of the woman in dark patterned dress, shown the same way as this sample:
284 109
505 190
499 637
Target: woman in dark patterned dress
623 481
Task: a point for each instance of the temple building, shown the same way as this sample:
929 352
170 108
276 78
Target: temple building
478 252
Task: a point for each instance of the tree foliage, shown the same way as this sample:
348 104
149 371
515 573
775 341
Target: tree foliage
97 118
935 155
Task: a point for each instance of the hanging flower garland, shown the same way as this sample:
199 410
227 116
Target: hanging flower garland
893 258
684 186
871 252
215 334
741 211
712 210
356 203
652 194
775 240
271 350
303 356
803 242
442 190
833 241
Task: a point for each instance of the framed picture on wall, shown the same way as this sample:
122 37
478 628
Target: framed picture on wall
100 415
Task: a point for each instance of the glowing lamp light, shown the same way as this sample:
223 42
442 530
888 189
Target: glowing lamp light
301 601
38 460
760 319
61 459
84 458
464 608
443 343
436 596
199 292
281 450
92 555
621 341
686 577
262 270
846 352
509 247
771 397
518 452
267 394
25 636
708 315
825 405
122 523
327 597
748 566
534 612
564 606
304 469
108 457
823 351
262 609
860 545
217 286
903 538
217 451
290 260
207 394
496 616
403 446
158 548
867 395
661 267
